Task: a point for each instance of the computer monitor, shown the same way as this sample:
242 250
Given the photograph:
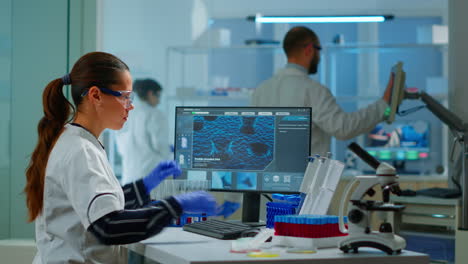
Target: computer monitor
400 142
398 90
252 150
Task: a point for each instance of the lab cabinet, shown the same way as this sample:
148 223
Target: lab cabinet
356 74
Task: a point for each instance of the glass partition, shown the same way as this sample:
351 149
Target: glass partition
5 120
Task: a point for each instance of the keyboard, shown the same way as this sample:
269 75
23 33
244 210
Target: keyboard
218 229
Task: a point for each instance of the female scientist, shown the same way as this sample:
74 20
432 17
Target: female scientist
82 213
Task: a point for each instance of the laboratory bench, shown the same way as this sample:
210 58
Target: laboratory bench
175 246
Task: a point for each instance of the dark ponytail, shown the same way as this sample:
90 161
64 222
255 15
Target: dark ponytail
57 111
95 68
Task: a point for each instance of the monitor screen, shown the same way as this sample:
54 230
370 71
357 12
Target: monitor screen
398 90
400 141
244 149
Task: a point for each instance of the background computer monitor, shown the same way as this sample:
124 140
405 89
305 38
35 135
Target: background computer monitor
399 79
399 143
252 150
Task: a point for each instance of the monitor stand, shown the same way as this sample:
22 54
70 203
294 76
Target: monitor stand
251 209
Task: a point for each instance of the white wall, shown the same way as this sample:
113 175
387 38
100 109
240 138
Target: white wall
140 31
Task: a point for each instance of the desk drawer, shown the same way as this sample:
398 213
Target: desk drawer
438 215
430 209
427 220
427 214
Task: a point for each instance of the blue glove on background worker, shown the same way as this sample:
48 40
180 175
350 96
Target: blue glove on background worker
227 209
161 172
232 202
197 202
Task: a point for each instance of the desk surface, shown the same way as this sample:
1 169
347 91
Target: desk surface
175 246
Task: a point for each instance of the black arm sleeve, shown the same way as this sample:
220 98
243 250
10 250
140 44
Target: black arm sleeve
135 195
129 226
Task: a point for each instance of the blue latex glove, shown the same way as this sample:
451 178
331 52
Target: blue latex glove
227 209
197 202
161 172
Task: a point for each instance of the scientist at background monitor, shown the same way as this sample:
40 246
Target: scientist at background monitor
291 86
144 139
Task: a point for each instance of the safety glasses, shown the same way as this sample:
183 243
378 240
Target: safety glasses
126 97
317 47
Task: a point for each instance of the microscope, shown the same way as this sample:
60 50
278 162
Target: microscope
360 211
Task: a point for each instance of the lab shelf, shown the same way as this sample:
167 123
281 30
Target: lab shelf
208 68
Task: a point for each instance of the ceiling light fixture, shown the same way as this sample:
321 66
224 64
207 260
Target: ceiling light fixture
320 19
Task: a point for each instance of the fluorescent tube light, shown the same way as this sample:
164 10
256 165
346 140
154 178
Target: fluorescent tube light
320 19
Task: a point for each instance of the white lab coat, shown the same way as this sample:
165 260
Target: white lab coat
79 188
291 86
143 142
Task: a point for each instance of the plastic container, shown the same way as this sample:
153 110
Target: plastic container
187 219
281 205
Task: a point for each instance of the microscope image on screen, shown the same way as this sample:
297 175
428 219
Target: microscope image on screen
233 142
221 180
410 135
400 143
246 180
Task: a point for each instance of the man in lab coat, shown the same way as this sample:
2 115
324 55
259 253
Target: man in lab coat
144 140
291 86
